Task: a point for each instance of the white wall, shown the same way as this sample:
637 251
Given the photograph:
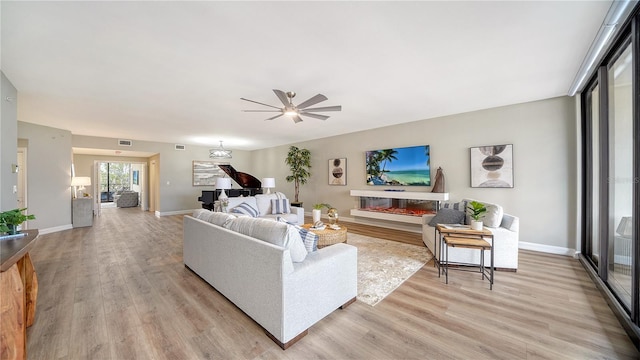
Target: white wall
544 152
49 176
8 143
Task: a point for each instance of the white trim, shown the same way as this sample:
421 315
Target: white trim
55 229
550 249
177 212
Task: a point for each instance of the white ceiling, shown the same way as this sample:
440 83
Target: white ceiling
175 71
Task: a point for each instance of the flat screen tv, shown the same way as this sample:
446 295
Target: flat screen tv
404 166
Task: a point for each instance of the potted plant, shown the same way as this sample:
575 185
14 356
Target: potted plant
476 210
299 161
10 220
317 211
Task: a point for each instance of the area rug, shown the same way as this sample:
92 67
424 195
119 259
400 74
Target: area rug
383 265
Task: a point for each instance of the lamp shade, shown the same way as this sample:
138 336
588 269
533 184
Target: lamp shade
268 183
223 183
80 181
625 228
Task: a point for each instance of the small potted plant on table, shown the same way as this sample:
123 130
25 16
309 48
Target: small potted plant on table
476 209
317 211
10 220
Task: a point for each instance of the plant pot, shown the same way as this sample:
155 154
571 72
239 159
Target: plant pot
316 213
13 229
476 225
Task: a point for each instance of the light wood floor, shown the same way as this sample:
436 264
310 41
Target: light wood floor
119 290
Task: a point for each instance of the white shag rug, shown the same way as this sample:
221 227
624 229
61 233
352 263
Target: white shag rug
383 265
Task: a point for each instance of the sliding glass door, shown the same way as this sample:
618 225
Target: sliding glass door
611 168
620 169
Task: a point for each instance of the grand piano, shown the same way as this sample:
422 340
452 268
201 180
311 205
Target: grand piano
249 186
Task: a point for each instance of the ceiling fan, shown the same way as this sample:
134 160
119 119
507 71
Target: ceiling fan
295 111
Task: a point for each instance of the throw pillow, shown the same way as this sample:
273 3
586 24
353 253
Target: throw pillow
447 216
309 239
280 206
246 209
460 206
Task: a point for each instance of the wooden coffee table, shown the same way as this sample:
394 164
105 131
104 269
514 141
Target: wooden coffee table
328 236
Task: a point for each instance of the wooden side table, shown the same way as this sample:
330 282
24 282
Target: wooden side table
328 236
469 243
18 294
463 236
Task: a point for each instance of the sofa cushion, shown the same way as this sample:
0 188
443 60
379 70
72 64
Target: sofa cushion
280 206
216 218
246 209
235 201
448 216
264 203
273 232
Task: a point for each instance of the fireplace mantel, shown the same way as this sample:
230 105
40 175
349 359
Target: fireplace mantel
396 202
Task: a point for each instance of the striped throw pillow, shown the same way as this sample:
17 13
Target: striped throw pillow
246 209
280 206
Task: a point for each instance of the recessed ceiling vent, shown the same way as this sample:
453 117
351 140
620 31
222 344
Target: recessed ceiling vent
125 142
180 147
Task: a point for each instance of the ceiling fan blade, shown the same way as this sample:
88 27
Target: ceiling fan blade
296 119
326 108
314 100
282 96
317 116
261 110
275 107
275 117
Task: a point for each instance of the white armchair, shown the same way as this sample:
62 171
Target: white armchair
505 241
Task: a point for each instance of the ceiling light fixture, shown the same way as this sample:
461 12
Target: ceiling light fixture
219 153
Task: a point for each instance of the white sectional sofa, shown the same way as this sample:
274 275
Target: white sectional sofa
505 229
257 264
262 202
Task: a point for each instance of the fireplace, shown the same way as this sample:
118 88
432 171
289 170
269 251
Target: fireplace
407 207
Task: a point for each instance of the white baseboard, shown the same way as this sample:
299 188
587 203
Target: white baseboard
547 249
177 212
55 229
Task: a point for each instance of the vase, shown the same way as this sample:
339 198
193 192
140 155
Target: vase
476 225
333 216
316 213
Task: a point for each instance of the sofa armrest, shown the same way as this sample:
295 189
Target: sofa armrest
426 218
330 274
299 211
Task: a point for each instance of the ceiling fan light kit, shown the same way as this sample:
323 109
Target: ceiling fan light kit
295 111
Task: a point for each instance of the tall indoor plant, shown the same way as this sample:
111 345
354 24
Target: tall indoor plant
299 161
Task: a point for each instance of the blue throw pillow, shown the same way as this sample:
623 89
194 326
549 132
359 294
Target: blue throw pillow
246 209
309 239
280 206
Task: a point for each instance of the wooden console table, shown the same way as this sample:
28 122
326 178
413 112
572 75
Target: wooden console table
18 294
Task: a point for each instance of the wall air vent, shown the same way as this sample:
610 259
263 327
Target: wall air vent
180 147
125 142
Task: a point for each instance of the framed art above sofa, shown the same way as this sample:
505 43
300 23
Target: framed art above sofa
492 166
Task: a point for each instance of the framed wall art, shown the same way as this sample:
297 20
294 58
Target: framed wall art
492 166
338 171
206 172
